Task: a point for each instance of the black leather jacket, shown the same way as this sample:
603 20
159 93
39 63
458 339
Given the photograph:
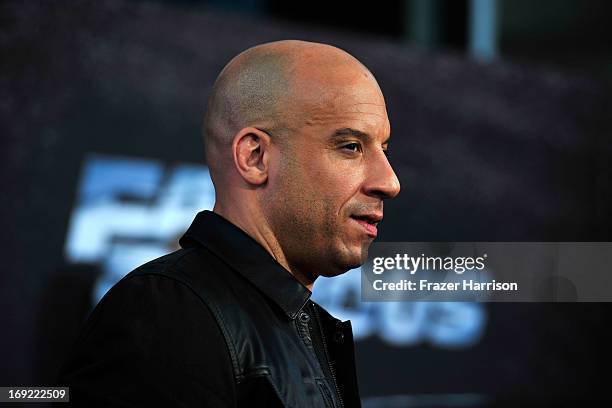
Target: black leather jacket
218 323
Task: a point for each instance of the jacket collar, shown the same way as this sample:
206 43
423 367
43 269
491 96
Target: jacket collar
239 250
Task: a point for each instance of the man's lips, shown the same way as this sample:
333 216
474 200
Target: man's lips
368 222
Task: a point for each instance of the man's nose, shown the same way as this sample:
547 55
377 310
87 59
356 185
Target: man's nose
381 181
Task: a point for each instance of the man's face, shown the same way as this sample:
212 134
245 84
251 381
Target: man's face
328 188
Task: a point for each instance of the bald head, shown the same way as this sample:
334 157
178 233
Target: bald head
274 86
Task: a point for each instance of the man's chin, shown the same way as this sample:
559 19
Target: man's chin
349 260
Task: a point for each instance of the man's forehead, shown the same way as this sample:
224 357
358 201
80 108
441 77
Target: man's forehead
357 108
358 97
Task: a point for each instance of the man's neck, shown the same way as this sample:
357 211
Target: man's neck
255 225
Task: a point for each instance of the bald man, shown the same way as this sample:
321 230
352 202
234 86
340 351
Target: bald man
296 137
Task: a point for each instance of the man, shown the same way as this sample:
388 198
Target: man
296 135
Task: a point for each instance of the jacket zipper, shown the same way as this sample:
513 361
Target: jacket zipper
331 368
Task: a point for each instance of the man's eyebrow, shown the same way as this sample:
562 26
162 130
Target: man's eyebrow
355 133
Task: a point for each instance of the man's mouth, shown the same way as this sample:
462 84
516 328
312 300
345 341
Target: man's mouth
368 222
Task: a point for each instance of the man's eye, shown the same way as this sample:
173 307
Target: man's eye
354 147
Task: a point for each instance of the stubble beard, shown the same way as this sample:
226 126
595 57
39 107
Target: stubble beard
308 233
312 240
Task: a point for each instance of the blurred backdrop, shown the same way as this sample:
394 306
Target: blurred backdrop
501 115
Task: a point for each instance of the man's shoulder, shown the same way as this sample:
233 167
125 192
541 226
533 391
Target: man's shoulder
169 263
180 284
206 279
185 273
195 267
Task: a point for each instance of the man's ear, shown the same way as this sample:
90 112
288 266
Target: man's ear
251 155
